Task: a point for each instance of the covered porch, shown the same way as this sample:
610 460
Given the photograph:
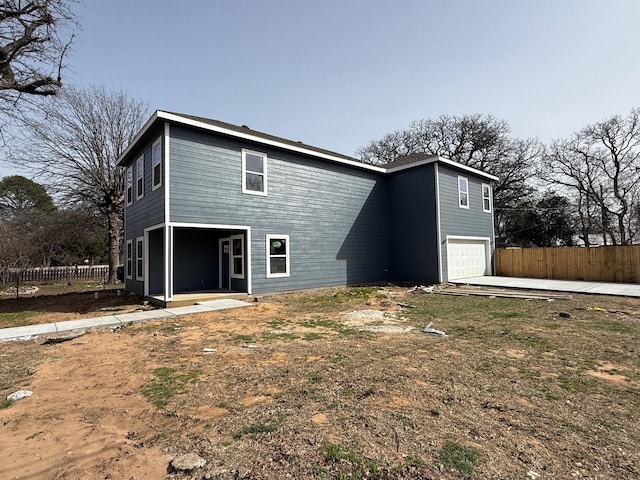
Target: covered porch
189 263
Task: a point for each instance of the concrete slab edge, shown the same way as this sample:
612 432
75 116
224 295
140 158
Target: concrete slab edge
217 305
30 332
189 309
136 317
106 321
25 333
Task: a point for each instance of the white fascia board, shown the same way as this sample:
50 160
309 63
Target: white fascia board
209 226
446 161
480 173
246 136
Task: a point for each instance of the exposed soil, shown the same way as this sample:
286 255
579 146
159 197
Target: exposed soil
292 388
43 308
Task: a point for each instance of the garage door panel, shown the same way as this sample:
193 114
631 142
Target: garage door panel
466 258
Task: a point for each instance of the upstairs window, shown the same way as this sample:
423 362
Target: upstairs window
129 185
486 197
254 173
277 256
140 177
156 164
463 192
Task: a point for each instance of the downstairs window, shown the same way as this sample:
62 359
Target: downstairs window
277 256
129 265
139 258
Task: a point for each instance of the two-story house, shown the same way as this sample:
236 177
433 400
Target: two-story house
212 206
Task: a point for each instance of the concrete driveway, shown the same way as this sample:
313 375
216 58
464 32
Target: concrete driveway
600 288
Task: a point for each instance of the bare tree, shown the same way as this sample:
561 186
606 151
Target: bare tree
73 146
73 236
478 141
600 166
589 219
34 39
473 140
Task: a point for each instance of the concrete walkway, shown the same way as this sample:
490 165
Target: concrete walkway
30 332
600 288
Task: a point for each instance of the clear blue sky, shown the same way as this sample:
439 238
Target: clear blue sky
339 73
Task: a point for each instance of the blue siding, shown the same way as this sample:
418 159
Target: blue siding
472 221
413 234
345 225
147 211
336 217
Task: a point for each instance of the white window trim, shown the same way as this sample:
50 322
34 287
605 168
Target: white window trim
153 164
139 176
128 266
129 186
139 268
460 192
486 198
287 256
244 172
232 257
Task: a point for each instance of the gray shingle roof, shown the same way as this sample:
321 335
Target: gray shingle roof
224 128
408 159
265 136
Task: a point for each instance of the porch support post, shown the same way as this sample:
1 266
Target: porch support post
168 263
248 251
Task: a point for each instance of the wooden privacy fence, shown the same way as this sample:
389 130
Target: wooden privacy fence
604 264
54 274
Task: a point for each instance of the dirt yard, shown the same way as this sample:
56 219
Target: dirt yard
57 303
292 387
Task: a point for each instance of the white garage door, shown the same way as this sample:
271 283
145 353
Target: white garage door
466 258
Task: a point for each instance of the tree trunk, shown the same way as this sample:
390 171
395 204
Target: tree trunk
114 226
621 226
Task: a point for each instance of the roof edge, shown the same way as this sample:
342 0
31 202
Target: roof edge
172 117
143 130
444 160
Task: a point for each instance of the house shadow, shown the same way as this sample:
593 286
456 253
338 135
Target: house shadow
365 249
394 237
